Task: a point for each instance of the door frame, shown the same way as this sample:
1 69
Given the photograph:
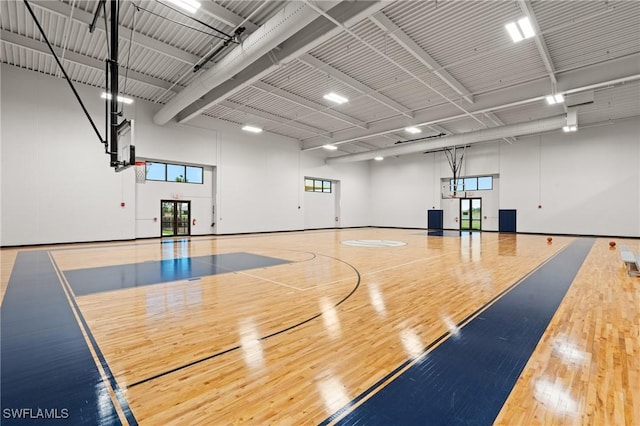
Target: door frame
175 218
470 213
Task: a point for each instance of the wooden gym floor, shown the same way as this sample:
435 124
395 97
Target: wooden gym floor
299 328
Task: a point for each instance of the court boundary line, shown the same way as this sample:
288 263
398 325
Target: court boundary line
284 330
111 380
94 355
393 374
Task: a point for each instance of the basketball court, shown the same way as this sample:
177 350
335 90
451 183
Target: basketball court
329 213
302 328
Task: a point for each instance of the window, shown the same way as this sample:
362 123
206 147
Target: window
308 185
479 183
485 182
470 184
317 185
194 174
156 171
174 173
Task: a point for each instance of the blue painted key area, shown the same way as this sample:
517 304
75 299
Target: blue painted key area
466 380
117 277
48 373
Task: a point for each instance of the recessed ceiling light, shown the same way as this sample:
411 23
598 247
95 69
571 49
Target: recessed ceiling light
333 97
523 29
251 129
189 5
330 147
555 99
378 158
412 129
526 28
512 28
122 99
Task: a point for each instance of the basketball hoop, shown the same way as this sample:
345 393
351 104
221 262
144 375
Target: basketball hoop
141 171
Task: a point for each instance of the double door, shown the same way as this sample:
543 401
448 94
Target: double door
176 218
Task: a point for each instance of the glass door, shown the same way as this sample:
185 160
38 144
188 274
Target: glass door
176 218
183 218
470 214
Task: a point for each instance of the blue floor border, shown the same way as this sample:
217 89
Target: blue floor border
467 379
48 372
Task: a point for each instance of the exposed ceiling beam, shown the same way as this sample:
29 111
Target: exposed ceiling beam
420 54
299 100
364 145
439 129
140 39
590 77
379 52
526 8
496 120
70 56
226 16
355 84
276 119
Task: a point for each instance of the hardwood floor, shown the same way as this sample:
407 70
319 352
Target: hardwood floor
586 369
296 342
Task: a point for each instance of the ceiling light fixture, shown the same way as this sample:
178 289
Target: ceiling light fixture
572 120
122 99
333 97
413 130
251 129
330 147
378 158
555 99
190 6
521 30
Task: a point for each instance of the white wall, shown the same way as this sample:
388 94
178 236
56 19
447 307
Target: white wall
173 143
149 195
320 208
257 181
587 183
57 185
405 188
354 187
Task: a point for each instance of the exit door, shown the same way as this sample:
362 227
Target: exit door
176 218
470 214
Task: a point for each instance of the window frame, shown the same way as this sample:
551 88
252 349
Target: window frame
462 186
318 185
166 174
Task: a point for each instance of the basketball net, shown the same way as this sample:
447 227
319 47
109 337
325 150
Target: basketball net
141 172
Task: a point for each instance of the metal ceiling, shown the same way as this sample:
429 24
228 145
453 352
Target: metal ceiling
446 64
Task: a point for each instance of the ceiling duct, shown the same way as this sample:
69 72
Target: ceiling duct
576 99
293 17
348 13
494 133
